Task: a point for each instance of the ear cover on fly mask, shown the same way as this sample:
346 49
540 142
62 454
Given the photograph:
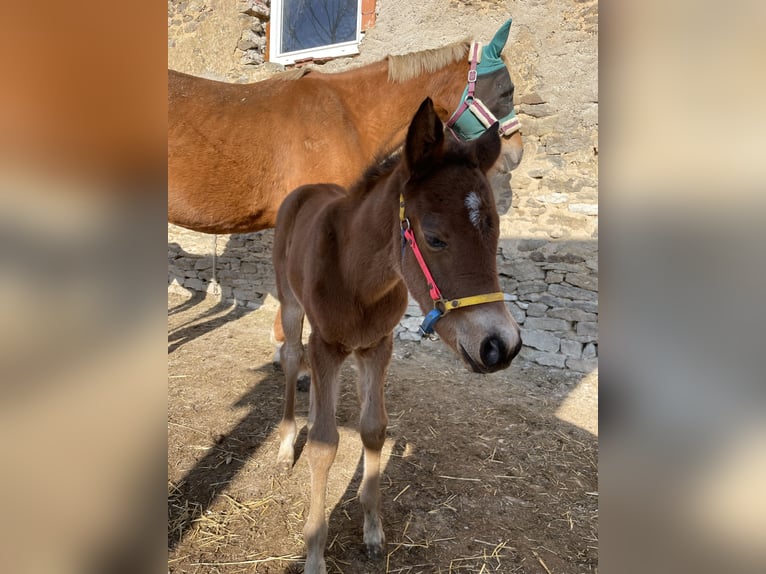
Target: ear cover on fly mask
490 54
490 66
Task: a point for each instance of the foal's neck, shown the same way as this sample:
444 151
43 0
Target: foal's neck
373 227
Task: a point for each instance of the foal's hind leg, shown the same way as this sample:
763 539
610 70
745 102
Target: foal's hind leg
321 446
292 356
278 340
373 363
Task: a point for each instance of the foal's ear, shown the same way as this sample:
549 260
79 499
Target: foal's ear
487 147
424 139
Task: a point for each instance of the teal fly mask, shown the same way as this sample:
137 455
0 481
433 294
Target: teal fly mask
488 96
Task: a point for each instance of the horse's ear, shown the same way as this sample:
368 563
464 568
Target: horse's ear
495 47
424 139
487 147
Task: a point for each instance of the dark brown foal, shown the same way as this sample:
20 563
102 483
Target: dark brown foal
425 220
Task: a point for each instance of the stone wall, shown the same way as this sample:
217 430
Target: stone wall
548 255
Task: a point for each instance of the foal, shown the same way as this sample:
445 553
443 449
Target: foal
341 258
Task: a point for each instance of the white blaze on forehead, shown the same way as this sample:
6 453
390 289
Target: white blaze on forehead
473 204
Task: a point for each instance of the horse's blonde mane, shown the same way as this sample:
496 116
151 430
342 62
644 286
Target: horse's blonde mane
407 66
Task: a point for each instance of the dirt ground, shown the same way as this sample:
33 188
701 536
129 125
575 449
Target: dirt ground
493 473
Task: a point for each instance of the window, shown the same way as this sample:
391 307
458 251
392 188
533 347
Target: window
303 29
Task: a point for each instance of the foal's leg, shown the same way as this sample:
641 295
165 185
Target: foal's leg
373 363
322 444
292 357
278 340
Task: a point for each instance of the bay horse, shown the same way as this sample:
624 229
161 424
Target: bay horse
423 220
228 172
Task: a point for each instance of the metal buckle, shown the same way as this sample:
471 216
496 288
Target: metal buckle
472 75
441 306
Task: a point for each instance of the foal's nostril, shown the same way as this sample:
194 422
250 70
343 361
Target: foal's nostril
493 351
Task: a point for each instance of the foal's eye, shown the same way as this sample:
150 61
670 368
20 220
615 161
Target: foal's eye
434 242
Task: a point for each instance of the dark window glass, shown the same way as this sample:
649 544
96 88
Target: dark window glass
313 23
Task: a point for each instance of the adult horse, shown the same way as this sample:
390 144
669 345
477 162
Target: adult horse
236 150
341 259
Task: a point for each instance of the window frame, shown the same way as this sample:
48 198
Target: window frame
326 51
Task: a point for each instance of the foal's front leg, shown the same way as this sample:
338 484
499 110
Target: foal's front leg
322 445
373 363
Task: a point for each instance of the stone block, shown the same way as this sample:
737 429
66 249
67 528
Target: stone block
541 340
517 313
590 351
531 244
411 323
566 258
248 41
204 263
571 314
536 309
405 335
524 270
554 277
571 348
587 306
563 267
584 280
570 292
548 324
543 358
527 287
584 338
587 328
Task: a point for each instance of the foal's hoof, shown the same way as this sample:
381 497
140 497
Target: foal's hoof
285 460
304 383
375 551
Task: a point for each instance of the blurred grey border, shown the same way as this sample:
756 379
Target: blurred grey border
682 238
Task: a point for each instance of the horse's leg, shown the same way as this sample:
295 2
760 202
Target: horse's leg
278 340
291 354
373 363
277 337
322 445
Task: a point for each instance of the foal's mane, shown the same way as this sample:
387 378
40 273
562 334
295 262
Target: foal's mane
454 152
380 168
408 66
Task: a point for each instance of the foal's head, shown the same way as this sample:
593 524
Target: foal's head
450 208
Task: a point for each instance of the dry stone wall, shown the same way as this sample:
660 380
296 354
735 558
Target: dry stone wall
548 255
